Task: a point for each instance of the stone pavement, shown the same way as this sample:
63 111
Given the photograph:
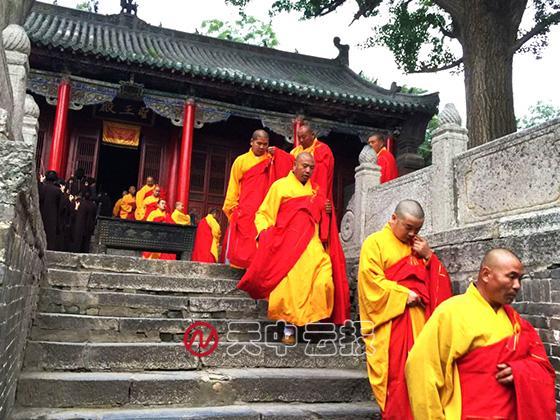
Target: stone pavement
106 343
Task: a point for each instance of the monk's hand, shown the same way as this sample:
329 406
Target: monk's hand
421 248
328 207
271 150
42 178
505 374
413 299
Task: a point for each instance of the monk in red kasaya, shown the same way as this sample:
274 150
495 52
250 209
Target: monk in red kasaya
207 238
385 158
159 215
400 282
144 192
151 202
323 176
476 358
252 173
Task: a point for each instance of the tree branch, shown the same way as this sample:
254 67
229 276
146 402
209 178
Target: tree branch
427 69
539 28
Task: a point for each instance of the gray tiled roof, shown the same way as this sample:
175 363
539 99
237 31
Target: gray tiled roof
129 40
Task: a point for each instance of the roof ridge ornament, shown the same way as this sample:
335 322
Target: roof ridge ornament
128 7
343 51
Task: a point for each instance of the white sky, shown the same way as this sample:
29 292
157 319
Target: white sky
534 80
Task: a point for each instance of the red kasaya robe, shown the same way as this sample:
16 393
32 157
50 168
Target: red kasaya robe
239 240
323 176
389 169
159 216
205 242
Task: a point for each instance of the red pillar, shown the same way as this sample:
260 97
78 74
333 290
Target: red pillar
297 125
183 186
173 170
56 155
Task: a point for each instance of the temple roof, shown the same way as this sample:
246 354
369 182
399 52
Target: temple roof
129 40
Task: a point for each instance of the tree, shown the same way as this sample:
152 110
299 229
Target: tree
538 114
247 29
88 5
421 33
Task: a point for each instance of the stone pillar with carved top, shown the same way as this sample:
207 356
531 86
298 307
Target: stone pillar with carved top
449 140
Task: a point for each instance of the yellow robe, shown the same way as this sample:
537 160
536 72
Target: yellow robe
241 165
216 233
297 150
306 294
126 206
154 215
180 218
381 300
117 207
459 325
140 206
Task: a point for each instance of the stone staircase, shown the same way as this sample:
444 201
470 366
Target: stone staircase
106 343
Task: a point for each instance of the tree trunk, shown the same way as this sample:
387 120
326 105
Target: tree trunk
487 36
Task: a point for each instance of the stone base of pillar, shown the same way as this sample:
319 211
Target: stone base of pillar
409 162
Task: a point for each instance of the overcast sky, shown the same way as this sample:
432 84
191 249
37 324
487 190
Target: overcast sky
534 80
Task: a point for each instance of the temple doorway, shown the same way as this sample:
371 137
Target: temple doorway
117 169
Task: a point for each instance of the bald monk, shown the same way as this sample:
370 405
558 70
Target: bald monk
151 202
400 282
128 204
323 177
251 175
476 358
117 206
385 158
291 267
144 192
179 216
159 215
207 238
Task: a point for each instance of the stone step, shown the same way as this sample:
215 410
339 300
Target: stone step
132 265
330 411
141 282
217 387
88 328
52 356
148 305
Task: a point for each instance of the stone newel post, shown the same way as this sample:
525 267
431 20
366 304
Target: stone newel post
449 140
368 175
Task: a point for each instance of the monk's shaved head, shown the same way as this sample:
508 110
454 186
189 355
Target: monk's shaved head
305 156
304 166
259 134
498 256
409 208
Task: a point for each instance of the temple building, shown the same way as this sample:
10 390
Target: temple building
124 100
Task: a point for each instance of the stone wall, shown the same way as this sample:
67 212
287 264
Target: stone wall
22 241
505 193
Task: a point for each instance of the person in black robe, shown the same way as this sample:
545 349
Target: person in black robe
83 223
77 184
66 210
50 201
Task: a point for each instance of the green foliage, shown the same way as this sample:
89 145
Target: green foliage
538 114
425 149
247 29
88 5
412 90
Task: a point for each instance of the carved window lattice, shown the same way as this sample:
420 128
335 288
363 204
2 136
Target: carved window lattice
152 161
86 155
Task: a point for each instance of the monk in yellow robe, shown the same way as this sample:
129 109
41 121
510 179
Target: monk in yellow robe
141 195
207 239
400 282
117 206
476 358
151 202
179 216
159 215
385 159
291 267
128 204
251 175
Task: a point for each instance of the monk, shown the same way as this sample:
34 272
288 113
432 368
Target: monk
50 204
141 195
400 282
179 216
251 175
207 238
476 358
117 206
159 215
385 158
128 204
291 267
323 176
151 202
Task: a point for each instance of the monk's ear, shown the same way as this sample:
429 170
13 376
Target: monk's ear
485 273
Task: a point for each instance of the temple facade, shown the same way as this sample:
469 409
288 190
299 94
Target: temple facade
124 100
